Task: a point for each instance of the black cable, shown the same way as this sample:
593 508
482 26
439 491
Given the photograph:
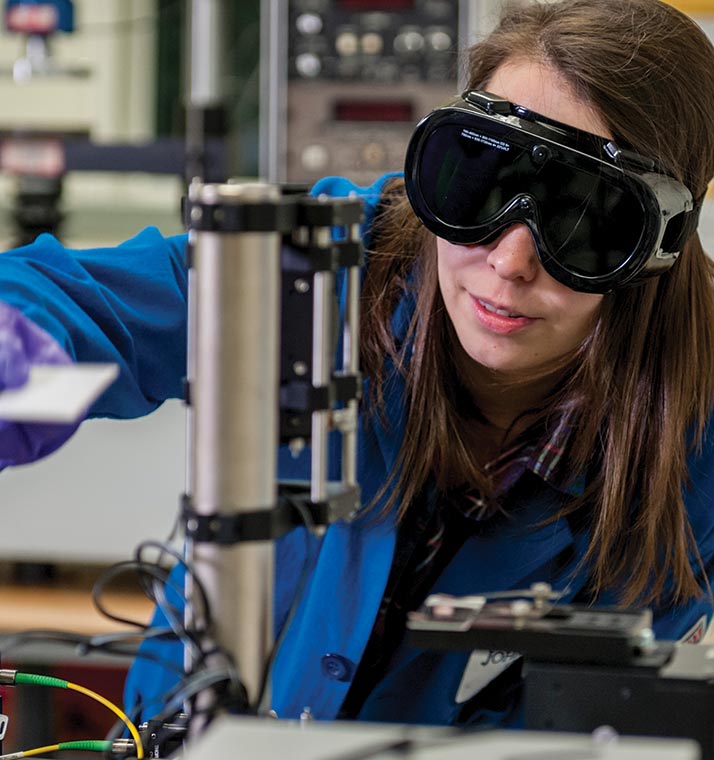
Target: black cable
194 685
85 645
12 641
164 548
195 638
110 646
211 666
153 578
110 574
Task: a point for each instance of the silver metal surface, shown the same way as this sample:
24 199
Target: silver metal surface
273 89
318 740
233 366
691 661
350 365
323 283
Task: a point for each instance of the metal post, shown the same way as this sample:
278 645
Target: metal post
204 77
350 365
323 285
233 372
273 89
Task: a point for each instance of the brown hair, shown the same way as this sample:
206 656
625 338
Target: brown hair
641 387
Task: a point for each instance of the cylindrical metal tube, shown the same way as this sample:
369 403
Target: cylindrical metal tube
233 366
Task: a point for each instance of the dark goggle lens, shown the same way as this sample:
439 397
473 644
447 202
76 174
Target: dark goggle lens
589 223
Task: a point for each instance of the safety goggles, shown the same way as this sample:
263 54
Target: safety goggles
601 217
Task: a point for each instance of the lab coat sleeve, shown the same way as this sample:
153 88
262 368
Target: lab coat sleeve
125 305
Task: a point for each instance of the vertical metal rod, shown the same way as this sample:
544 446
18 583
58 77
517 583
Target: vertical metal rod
235 361
273 89
189 454
323 284
350 365
204 77
320 376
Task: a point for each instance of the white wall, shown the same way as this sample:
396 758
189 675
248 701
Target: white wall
112 485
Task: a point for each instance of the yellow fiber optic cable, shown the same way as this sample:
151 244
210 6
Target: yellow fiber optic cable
12 677
104 745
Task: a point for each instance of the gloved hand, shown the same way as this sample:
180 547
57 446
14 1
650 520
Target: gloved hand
23 343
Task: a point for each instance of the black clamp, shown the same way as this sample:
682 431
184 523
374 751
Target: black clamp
326 211
314 258
281 214
232 528
294 508
302 395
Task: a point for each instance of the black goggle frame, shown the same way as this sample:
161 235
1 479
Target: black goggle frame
669 212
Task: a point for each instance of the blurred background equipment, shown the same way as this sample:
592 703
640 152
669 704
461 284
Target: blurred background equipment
38 20
35 159
345 81
93 133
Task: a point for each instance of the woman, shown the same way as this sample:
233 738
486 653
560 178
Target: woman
534 411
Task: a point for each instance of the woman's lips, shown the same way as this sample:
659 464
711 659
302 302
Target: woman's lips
499 318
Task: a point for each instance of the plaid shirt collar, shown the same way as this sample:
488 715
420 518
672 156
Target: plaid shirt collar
541 457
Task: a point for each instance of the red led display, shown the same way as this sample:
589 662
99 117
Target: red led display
376 5
373 110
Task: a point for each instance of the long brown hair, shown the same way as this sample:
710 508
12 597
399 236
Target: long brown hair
641 387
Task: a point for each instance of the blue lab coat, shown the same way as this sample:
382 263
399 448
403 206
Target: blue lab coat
128 305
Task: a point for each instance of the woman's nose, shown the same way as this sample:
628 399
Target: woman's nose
513 254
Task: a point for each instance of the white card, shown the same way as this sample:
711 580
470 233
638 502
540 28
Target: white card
483 666
58 393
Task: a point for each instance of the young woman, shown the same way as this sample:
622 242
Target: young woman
538 319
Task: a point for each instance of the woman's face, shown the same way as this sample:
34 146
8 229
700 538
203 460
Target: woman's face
509 314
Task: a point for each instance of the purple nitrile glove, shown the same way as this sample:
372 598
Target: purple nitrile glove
23 343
